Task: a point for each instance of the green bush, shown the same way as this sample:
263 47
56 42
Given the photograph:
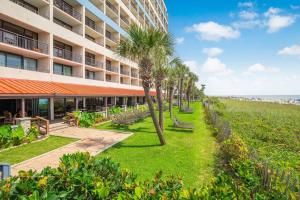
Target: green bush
5 135
114 110
80 176
33 133
17 135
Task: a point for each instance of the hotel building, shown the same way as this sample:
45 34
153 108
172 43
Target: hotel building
60 55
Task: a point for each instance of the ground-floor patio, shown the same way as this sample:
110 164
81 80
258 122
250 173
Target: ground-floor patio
90 140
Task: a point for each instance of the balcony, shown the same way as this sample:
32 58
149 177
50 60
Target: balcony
134 75
31 8
65 54
111 37
112 7
112 69
94 26
67 9
23 42
92 62
124 72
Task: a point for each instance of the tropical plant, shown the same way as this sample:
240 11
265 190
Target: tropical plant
182 72
192 79
142 45
171 81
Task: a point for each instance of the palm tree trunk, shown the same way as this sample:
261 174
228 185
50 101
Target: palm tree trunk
180 94
153 116
171 100
160 106
178 90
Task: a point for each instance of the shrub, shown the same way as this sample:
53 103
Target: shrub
114 110
33 133
80 176
17 135
5 135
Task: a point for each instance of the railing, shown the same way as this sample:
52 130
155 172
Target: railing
95 27
65 54
124 72
135 75
23 42
124 19
92 62
112 69
67 9
20 3
112 38
42 123
111 7
133 6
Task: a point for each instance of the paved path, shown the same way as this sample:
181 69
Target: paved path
90 140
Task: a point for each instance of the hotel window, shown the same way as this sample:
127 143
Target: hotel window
90 75
18 30
30 64
63 24
14 61
17 61
62 69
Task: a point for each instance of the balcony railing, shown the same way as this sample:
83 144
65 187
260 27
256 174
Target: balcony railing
65 54
92 62
112 7
26 6
111 37
112 69
135 75
124 19
124 72
67 9
23 42
95 27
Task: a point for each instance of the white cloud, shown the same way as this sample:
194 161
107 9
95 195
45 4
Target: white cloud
249 24
293 50
248 4
216 67
213 31
193 65
258 68
272 11
295 7
179 40
212 52
248 15
276 22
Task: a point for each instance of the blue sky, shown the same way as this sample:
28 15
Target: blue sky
239 47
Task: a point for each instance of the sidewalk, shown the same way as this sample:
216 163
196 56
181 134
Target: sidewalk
91 140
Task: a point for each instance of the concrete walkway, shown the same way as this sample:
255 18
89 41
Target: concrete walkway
90 140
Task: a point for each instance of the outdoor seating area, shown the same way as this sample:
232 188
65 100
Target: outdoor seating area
179 124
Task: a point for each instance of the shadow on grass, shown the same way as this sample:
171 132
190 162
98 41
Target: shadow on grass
180 130
136 146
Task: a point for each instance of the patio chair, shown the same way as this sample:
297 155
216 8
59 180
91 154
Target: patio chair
8 118
70 119
179 124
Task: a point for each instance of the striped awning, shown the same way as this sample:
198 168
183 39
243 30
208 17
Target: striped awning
19 87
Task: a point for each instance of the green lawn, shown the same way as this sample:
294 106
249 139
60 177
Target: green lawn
25 152
189 154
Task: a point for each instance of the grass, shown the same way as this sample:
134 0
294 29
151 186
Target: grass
272 129
25 152
188 154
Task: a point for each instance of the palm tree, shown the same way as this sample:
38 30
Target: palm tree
192 79
171 81
141 45
182 71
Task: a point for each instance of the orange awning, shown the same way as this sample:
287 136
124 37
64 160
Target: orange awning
19 87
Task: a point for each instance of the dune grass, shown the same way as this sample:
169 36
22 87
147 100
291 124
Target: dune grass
27 151
188 154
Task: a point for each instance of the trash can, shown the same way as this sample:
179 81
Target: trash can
4 170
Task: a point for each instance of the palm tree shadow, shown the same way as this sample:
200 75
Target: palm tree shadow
121 145
180 130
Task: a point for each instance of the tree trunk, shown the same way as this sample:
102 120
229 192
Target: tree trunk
178 90
171 100
145 73
153 116
160 106
180 94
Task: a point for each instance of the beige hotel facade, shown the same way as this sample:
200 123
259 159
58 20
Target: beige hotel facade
59 55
